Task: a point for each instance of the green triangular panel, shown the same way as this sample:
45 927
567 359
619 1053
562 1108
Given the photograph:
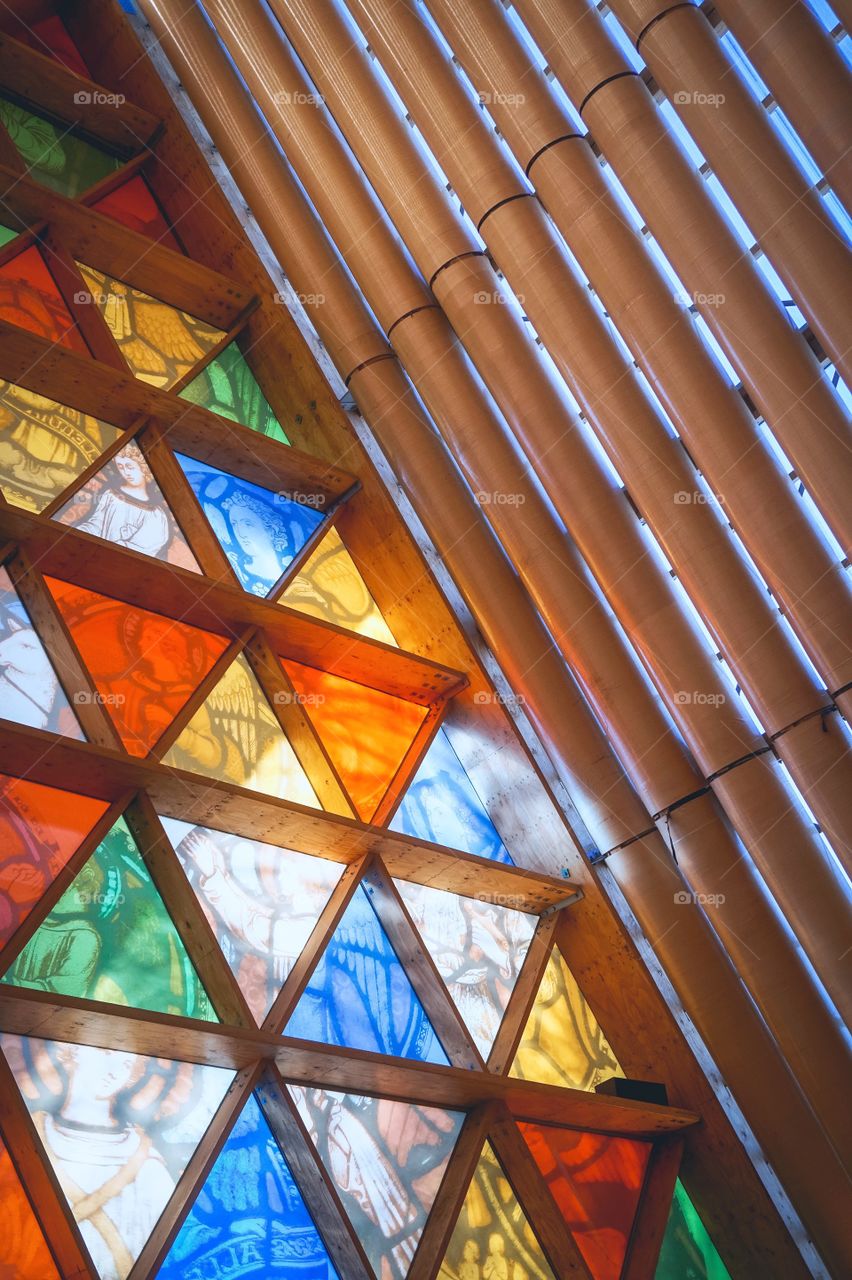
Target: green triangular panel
6 234
228 387
687 1252
110 938
52 154
119 1130
235 737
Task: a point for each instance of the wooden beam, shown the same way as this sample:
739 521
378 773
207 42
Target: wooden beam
318 1190
40 1013
15 944
187 914
437 1233
652 1213
42 1185
82 306
156 1249
523 996
298 728
98 565
86 384
79 687
312 952
128 255
429 986
94 111
535 1199
91 770
409 764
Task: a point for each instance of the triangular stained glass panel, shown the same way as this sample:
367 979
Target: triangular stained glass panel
40 828
50 36
478 947
563 1043
687 1251
6 235
359 995
118 1129
53 155
262 902
44 446
259 531
160 343
133 204
441 805
235 737
30 692
249 1217
492 1236
30 299
366 732
145 666
228 387
387 1160
110 938
25 1252
596 1181
329 586
123 504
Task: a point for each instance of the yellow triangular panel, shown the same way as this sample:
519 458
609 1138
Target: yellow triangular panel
492 1236
563 1043
234 737
160 343
329 586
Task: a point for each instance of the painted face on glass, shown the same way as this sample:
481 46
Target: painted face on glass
252 534
130 469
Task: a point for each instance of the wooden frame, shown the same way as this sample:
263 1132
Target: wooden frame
332 471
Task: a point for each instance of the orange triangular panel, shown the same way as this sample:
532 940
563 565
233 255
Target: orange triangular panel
596 1180
145 666
365 732
492 1236
30 299
40 828
25 1253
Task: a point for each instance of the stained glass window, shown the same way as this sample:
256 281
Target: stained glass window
30 692
492 1237
562 1042
145 666
359 996
441 805
478 947
6 235
387 1160
228 387
50 37
160 343
366 732
687 1251
235 737
262 902
25 1253
52 154
249 1218
40 828
133 204
119 1130
259 531
30 299
110 938
124 504
596 1181
44 446
329 586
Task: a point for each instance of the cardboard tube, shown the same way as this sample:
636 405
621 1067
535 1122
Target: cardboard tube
806 75
778 369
